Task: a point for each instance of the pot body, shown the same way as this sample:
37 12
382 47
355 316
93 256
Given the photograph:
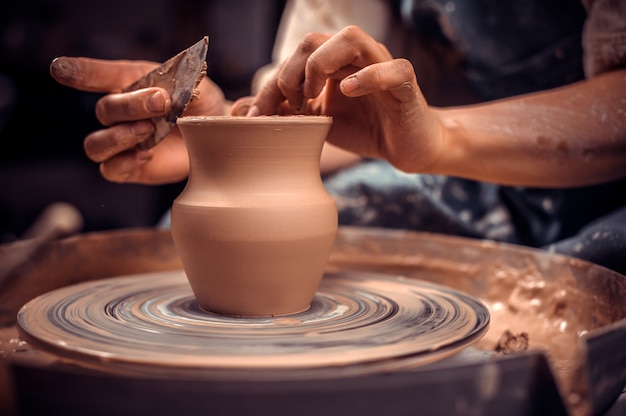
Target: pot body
254 226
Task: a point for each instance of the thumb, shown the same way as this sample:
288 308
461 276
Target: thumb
97 75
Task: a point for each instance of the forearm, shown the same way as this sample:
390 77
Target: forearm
575 135
334 158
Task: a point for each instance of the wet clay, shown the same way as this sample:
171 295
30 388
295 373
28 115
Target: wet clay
552 313
546 315
554 301
358 323
254 226
510 343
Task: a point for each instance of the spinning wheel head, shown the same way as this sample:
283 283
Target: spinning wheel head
357 323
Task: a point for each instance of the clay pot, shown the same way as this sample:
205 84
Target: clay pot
254 225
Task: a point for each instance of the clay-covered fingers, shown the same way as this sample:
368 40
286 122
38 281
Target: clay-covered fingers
291 74
286 83
97 75
101 145
283 88
125 167
348 51
319 57
142 104
166 163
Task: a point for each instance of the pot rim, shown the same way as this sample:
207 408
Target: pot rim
273 119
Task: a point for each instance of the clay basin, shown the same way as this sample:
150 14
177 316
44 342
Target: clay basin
573 312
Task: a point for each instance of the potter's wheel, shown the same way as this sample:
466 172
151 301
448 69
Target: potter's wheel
358 323
50 378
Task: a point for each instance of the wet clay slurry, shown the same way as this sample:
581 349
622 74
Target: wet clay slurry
358 323
254 226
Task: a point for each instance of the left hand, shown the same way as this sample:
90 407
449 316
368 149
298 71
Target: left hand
126 118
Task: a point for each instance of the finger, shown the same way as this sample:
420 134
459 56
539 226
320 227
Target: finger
291 74
167 163
396 77
104 144
286 83
96 75
268 99
136 105
241 106
344 53
125 167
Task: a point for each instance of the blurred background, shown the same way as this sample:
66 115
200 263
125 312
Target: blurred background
43 124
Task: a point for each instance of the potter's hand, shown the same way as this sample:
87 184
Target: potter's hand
377 106
127 117
544 139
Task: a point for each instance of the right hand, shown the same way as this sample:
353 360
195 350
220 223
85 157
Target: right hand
127 119
377 106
